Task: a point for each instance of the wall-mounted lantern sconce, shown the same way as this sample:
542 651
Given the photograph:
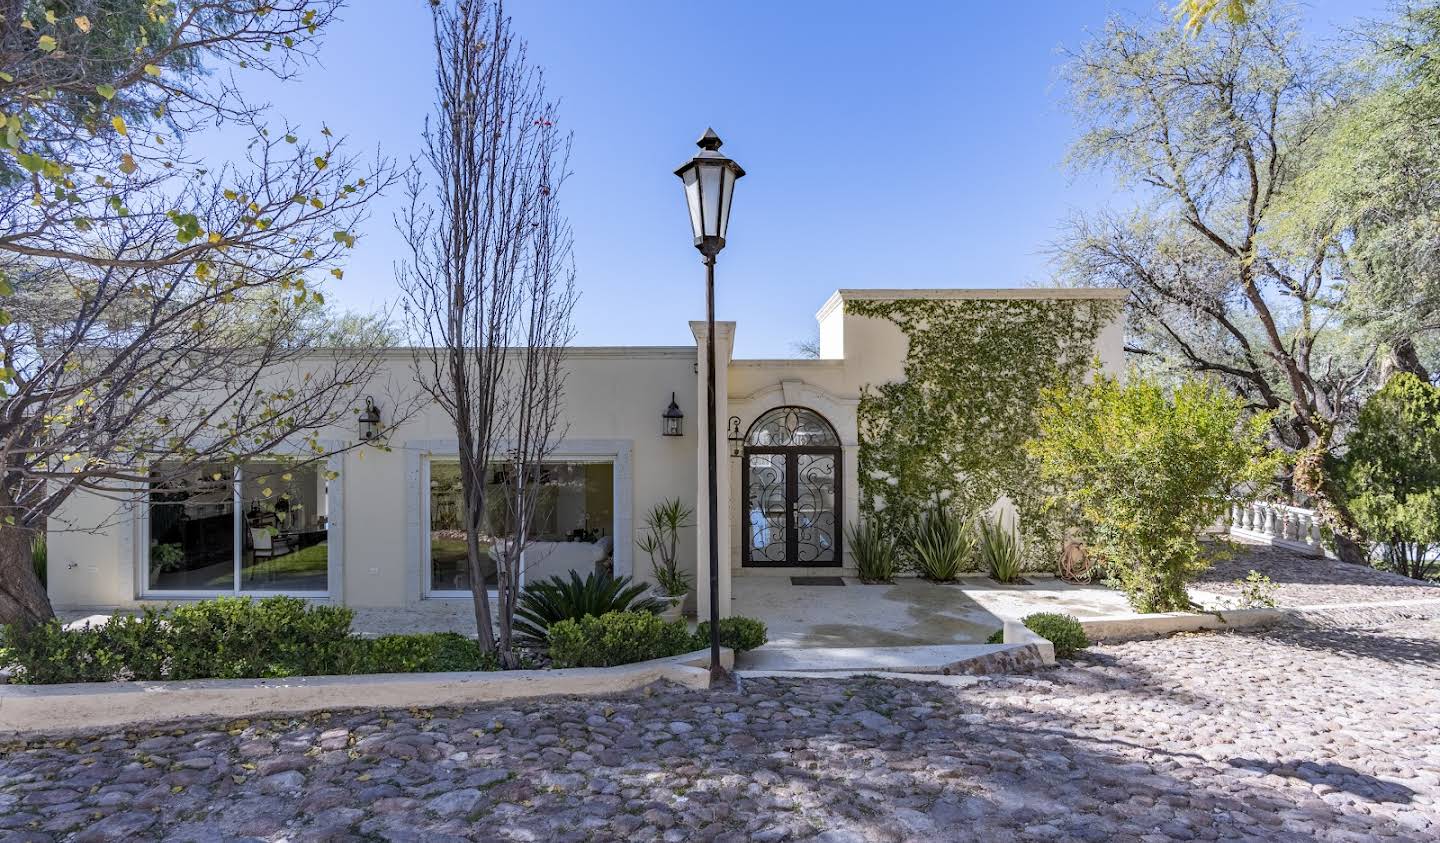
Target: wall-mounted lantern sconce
672 422
737 441
369 421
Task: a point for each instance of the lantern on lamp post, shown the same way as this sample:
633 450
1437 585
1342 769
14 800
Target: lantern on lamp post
709 180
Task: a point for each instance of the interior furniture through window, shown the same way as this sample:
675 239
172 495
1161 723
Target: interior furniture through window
262 528
572 527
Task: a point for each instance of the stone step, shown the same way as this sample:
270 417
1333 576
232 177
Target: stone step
948 680
795 571
929 659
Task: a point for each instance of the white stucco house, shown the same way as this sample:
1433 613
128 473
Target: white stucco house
372 529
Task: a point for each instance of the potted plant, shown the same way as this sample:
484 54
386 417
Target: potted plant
165 557
661 540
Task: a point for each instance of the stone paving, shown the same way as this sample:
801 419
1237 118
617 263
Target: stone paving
1300 733
1306 581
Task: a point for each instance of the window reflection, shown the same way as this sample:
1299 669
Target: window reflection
285 540
277 540
192 530
572 528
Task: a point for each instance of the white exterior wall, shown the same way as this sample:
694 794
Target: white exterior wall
614 399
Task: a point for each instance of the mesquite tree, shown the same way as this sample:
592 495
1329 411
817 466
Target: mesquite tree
159 309
1215 128
488 285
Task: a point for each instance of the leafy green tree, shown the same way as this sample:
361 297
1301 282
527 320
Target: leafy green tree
1144 470
1370 188
1214 129
1391 474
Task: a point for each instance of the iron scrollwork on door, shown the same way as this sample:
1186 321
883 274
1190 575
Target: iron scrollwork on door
791 477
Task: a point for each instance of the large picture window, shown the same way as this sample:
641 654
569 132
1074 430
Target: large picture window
572 528
263 528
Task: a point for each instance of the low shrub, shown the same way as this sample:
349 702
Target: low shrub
433 652
942 544
875 553
1257 591
616 638
548 601
122 648
236 638
1064 631
226 638
739 634
999 550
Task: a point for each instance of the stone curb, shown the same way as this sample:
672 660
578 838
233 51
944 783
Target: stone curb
1132 627
96 706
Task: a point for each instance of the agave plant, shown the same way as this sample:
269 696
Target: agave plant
556 599
874 552
1000 550
942 544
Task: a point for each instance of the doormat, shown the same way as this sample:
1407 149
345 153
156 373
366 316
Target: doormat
817 580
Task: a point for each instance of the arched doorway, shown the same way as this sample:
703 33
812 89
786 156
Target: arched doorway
790 473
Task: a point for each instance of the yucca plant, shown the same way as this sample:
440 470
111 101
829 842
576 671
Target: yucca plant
942 544
999 549
875 553
555 599
661 540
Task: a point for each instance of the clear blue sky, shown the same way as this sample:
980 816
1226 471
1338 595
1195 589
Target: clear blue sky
908 144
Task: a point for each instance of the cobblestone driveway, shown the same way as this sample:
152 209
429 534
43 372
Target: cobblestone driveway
1295 734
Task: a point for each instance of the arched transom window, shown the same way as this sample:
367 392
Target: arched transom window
790 427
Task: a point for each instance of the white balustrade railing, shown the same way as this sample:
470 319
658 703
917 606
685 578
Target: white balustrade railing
1277 524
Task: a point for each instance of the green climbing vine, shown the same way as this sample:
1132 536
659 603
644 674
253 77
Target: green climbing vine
953 430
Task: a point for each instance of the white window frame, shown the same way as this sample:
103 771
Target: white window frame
428 591
334 541
419 454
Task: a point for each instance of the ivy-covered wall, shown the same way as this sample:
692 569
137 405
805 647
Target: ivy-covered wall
953 430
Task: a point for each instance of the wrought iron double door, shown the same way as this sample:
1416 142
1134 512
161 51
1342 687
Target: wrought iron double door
792 507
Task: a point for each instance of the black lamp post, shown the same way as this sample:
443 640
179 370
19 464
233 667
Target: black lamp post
709 180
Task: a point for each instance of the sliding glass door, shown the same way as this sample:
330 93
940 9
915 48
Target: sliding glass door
261 529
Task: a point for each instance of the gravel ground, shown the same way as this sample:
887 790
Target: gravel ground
1300 733
1305 581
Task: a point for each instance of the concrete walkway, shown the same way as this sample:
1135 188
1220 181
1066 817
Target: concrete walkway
906 613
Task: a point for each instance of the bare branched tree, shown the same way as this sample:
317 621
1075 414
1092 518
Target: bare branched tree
489 284
160 312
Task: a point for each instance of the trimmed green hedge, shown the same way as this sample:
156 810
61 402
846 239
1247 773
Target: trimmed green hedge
616 638
227 638
241 638
737 633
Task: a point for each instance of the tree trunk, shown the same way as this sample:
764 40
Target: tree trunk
1349 550
23 601
1403 358
473 495
1312 476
